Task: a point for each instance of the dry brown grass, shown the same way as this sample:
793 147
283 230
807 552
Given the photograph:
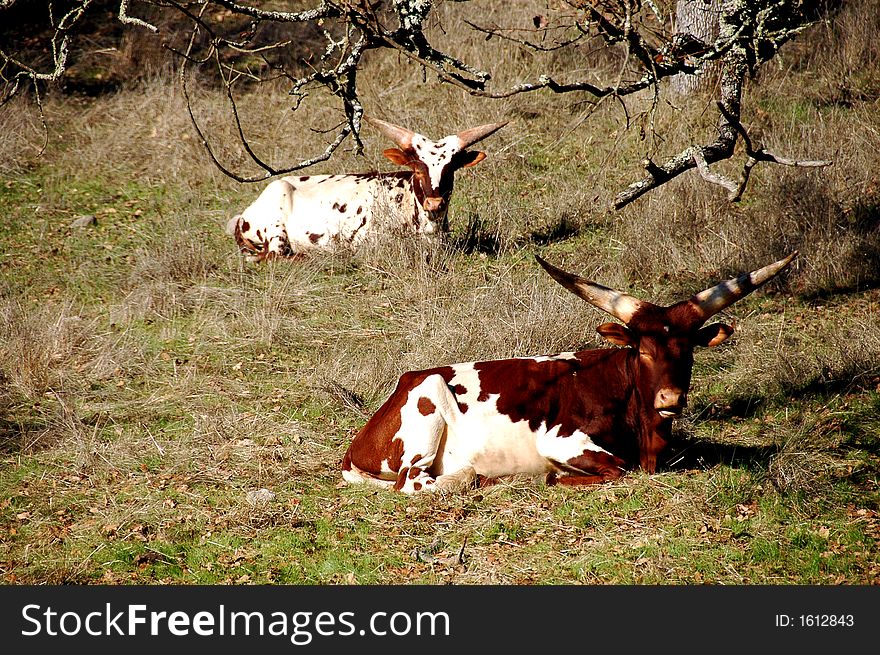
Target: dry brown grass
43 347
687 229
21 135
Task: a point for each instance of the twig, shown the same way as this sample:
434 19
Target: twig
762 154
702 156
131 20
754 155
709 176
270 171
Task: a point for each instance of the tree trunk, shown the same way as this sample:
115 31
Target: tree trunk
698 19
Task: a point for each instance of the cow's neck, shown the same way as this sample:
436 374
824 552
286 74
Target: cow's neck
652 432
604 390
412 211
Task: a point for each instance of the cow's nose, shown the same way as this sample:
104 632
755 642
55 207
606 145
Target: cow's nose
670 401
433 204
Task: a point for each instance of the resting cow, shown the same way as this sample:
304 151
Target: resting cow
297 214
579 418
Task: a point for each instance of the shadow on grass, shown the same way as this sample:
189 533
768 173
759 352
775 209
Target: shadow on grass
689 454
479 238
20 428
822 385
854 427
564 228
16 438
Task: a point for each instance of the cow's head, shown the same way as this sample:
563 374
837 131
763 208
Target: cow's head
663 339
434 162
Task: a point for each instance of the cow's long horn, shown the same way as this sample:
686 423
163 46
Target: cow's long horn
722 295
399 135
619 305
471 136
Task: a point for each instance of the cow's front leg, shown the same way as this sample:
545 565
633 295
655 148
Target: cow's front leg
590 468
461 480
578 461
650 450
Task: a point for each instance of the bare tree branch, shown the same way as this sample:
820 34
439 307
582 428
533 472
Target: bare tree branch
506 35
675 166
754 155
327 9
743 26
700 156
712 177
761 154
269 171
130 20
641 47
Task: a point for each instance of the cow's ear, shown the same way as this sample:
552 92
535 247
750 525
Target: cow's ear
712 335
397 156
618 334
471 158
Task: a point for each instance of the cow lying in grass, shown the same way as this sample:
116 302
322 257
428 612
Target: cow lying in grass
297 214
579 417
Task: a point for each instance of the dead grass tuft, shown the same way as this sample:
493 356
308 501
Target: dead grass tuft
804 463
839 238
778 356
169 276
68 431
21 135
43 348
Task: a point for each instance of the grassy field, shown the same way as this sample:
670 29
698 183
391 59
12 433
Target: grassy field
153 384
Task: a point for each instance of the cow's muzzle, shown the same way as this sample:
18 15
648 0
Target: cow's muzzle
670 403
433 204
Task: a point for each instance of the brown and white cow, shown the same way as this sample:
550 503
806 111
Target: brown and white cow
297 214
579 417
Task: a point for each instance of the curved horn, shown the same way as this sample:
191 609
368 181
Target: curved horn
471 136
722 295
399 135
619 305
